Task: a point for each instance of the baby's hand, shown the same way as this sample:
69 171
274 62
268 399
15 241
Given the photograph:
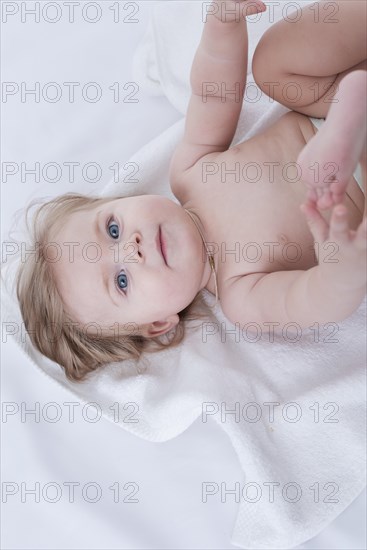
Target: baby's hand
235 10
340 251
326 180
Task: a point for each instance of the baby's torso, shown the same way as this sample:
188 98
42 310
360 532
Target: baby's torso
248 199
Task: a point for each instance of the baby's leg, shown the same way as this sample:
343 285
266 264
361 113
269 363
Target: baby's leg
300 60
331 156
301 64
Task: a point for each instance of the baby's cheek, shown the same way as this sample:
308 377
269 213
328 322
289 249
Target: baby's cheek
172 291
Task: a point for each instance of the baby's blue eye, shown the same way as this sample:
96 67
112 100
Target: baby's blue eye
121 279
114 233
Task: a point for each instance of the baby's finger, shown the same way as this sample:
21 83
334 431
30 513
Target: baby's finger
339 227
338 197
317 224
312 195
325 201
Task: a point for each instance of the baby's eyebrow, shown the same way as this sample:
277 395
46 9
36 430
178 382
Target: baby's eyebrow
97 230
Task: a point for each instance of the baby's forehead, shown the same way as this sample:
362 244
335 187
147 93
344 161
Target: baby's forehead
70 223
68 237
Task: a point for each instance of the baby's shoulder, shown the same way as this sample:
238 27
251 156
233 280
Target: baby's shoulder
291 125
279 140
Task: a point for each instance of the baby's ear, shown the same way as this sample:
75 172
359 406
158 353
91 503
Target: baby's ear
159 327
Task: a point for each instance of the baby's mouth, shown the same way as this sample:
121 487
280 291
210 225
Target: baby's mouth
161 245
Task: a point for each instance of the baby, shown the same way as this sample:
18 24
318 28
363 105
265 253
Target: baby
273 247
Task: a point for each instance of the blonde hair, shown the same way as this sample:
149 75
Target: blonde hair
42 308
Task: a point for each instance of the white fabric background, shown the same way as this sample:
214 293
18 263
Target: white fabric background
170 513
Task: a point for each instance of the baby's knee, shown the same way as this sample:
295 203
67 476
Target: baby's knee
266 69
260 64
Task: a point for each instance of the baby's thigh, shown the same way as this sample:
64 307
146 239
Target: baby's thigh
308 52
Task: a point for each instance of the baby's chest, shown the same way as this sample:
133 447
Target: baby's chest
255 226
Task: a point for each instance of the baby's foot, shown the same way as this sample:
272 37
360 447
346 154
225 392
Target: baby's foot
331 156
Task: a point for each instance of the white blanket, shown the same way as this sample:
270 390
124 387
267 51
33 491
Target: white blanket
299 422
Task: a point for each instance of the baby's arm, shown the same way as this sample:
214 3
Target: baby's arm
302 297
328 292
218 80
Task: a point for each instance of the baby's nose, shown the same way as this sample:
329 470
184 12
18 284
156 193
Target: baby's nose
132 250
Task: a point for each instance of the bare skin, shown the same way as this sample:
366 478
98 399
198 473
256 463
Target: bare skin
330 147
275 263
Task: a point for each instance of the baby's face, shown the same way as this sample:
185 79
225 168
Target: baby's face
116 272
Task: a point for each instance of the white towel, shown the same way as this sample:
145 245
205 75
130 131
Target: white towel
304 463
